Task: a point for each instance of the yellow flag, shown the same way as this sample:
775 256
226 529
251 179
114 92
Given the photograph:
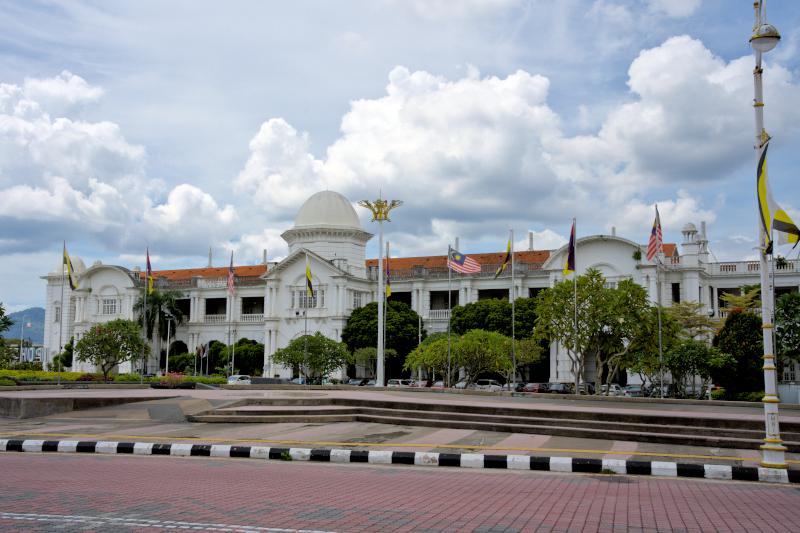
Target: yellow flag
772 217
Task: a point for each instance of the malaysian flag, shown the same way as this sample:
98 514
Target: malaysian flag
231 278
461 263
655 244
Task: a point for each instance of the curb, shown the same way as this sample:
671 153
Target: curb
462 460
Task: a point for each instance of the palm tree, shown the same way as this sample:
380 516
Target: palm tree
162 305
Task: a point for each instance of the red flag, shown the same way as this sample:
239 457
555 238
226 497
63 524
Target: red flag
231 278
656 243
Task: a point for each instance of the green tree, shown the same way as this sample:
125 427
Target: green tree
741 337
556 318
402 325
181 362
161 304
431 356
248 356
749 300
64 359
6 355
495 315
109 344
643 356
315 355
787 327
691 320
689 358
368 357
479 351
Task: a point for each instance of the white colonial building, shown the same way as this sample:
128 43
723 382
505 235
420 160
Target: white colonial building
270 303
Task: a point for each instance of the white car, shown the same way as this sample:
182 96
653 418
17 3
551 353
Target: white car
488 384
238 379
615 390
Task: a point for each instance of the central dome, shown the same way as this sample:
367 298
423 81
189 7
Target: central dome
327 209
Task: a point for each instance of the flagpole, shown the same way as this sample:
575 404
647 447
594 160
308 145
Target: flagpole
764 38
449 248
513 314
660 344
63 308
575 295
386 297
144 315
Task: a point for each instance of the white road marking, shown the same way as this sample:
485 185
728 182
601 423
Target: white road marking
144 522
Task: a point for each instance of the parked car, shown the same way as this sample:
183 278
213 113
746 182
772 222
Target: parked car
611 390
633 391
438 385
398 383
559 388
370 383
536 387
300 381
239 379
357 382
488 385
513 387
464 385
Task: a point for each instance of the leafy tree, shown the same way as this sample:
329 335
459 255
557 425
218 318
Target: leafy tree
643 357
107 345
479 351
741 337
5 320
6 355
787 327
431 356
182 362
160 305
368 357
402 325
495 315
556 318
749 300
248 356
64 359
689 358
315 355
692 321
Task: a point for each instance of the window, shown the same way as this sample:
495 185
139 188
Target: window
357 299
789 373
57 314
676 292
109 306
301 299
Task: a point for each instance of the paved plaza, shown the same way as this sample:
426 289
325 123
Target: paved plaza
91 493
164 420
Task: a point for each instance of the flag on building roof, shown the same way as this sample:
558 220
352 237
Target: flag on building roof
506 260
569 266
656 242
309 282
231 278
462 263
73 282
148 275
772 217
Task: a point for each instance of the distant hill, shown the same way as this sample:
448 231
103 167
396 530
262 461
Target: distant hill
33 316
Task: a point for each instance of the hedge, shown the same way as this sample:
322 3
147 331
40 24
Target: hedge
40 375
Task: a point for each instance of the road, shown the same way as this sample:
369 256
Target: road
40 492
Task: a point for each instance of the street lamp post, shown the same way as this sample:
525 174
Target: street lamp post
765 37
170 318
380 211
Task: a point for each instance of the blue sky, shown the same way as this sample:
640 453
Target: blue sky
188 125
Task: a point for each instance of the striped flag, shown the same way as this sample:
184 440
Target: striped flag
569 266
309 282
462 263
656 242
772 216
506 261
70 272
148 275
231 278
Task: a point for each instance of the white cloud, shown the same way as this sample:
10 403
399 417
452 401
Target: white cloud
58 94
675 8
448 9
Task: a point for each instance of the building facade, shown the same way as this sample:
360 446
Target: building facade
270 303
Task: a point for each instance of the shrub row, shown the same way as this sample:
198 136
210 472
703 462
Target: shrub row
12 376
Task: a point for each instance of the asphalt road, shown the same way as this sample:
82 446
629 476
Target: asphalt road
90 493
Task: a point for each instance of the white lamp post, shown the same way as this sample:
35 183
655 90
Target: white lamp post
765 37
380 211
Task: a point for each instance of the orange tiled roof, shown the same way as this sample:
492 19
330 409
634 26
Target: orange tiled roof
431 261
670 250
214 272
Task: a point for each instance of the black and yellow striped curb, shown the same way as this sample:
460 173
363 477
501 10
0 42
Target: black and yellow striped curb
462 460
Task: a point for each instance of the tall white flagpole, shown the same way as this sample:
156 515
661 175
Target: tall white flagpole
63 308
575 294
449 251
513 314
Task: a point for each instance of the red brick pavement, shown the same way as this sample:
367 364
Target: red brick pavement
90 493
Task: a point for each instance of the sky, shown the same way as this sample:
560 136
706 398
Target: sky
188 125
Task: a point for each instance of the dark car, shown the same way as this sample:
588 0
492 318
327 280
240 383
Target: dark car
536 387
357 382
559 388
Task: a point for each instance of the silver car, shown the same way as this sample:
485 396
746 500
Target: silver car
239 379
